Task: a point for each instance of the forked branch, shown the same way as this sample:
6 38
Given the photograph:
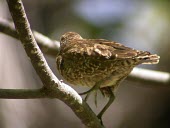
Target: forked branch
53 88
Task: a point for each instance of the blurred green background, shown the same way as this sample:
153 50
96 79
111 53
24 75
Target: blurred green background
144 25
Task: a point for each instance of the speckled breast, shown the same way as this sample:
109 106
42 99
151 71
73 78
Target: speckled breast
87 71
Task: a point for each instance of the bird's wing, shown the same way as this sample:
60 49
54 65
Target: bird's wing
123 52
105 47
88 48
108 50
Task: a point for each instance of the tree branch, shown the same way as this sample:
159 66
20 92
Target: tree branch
52 86
22 93
48 46
149 77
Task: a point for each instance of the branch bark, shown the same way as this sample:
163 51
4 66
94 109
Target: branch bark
53 88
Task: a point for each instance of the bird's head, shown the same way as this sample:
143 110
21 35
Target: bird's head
68 36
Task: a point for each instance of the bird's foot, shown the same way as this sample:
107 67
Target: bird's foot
87 93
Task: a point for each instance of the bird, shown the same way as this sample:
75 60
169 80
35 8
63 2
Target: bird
98 63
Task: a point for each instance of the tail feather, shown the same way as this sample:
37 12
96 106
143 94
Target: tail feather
148 58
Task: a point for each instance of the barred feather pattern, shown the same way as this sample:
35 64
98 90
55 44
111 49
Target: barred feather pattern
85 62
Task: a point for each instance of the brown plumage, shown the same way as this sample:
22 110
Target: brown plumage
84 62
87 62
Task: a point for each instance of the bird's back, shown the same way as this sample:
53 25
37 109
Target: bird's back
88 61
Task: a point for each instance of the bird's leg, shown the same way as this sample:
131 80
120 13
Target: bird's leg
95 98
95 87
111 99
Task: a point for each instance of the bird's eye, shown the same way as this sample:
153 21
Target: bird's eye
62 39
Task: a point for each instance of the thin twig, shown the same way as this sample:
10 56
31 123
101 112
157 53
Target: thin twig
54 88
